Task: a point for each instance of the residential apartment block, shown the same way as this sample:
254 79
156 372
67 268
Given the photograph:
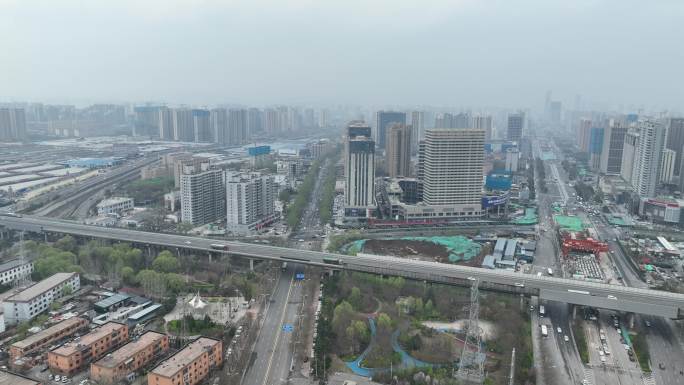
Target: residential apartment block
15 270
125 361
47 337
27 304
73 356
190 365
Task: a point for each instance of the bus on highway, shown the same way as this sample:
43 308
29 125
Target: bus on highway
332 261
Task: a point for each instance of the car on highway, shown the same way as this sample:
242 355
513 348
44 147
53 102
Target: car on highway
559 330
566 338
187 242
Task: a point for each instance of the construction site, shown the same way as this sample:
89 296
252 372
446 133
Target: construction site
583 256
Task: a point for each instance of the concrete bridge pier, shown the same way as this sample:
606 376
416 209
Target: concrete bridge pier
251 264
630 320
574 312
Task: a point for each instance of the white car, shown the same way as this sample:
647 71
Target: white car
559 330
566 338
187 242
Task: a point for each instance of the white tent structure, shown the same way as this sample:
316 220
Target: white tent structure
196 302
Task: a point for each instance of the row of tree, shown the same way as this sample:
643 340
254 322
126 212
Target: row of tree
293 210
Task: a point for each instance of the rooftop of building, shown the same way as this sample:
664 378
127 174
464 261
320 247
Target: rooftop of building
112 300
7 378
127 351
113 201
185 356
28 341
88 339
12 264
41 287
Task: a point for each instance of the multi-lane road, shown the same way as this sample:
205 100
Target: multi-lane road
597 295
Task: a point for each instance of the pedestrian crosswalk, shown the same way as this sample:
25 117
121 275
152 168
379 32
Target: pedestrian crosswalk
648 379
588 377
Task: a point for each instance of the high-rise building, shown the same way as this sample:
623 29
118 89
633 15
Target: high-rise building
613 144
514 129
323 118
460 120
418 132
383 120
146 121
512 160
201 126
647 158
398 153
463 120
628 152
250 201
218 120
308 118
555 108
667 166
12 124
271 121
237 126
675 141
183 125
254 123
483 122
584 134
359 167
166 127
595 147
202 191
452 166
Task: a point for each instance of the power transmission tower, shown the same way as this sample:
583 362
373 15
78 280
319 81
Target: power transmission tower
471 364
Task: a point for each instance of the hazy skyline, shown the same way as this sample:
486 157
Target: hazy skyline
463 52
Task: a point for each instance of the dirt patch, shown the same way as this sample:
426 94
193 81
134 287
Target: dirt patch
488 328
417 249
426 251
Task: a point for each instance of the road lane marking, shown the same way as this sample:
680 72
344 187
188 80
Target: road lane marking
275 343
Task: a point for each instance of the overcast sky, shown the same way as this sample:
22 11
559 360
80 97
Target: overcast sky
445 52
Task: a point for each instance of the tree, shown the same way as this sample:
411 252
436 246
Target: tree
166 262
384 321
175 282
355 298
66 243
184 227
67 290
128 275
342 311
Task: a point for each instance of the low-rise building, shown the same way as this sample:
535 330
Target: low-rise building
7 378
15 270
125 361
27 304
116 205
47 337
75 355
190 365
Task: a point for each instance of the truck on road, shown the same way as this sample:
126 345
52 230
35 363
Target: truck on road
218 246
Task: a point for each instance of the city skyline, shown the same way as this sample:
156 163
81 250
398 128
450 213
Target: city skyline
244 53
